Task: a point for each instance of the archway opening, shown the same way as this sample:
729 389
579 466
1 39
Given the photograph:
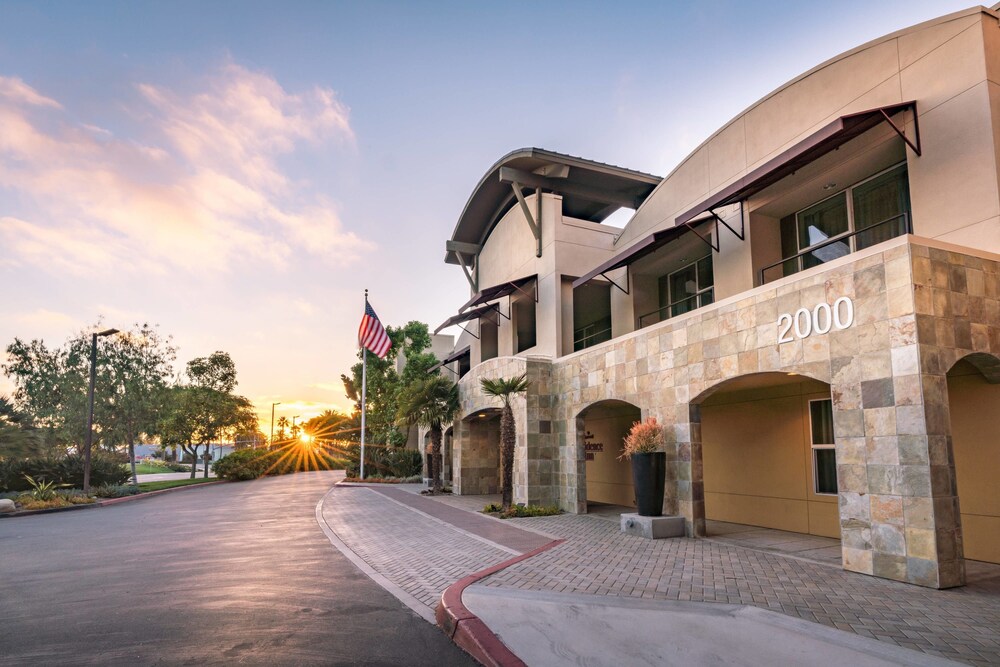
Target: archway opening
601 429
974 403
769 464
481 453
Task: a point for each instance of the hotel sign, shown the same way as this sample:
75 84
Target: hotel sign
819 320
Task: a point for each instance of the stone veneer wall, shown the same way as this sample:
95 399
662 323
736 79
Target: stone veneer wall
918 309
474 451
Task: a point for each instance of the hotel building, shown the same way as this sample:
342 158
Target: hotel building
809 303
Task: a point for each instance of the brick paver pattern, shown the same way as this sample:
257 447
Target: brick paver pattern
420 555
597 558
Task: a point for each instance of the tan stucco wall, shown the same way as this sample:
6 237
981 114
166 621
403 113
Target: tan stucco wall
942 64
975 425
758 460
570 247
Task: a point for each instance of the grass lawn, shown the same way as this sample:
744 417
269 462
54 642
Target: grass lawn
150 469
169 484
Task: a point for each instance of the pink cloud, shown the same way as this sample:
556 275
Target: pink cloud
204 192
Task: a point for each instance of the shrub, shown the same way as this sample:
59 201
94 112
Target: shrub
104 469
116 490
381 461
521 511
244 464
643 438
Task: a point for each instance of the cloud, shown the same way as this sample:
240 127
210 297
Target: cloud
45 320
200 190
17 91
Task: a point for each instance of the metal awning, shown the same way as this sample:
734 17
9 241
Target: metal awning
451 358
646 246
831 137
456 355
473 314
501 290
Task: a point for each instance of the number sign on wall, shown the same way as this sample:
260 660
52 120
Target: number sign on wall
819 320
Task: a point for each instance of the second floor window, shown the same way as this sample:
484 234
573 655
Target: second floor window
872 211
688 288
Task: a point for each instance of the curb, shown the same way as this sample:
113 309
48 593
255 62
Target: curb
108 501
468 630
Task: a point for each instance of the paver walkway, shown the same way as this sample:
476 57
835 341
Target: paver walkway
421 552
597 559
424 544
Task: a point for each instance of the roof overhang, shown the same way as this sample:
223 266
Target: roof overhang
451 358
473 314
828 139
591 191
500 291
636 251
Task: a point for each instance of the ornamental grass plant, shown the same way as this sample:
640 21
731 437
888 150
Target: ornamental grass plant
643 438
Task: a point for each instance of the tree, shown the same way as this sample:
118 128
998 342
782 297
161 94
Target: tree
333 430
18 440
204 410
50 389
135 367
430 402
131 373
282 425
506 389
385 383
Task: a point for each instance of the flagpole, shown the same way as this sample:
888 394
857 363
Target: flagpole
364 395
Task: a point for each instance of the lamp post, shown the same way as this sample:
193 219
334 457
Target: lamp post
293 424
90 411
270 443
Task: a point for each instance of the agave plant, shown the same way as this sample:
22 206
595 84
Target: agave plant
42 489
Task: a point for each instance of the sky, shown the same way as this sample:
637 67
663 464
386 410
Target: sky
238 173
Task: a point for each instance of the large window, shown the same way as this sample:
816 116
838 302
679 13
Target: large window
869 212
524 322
688 288
823 449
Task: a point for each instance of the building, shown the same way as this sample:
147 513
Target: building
809 302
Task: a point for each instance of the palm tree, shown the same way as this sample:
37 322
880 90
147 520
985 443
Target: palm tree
430 402
506 389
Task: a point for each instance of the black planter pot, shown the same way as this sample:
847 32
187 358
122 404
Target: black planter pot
648 473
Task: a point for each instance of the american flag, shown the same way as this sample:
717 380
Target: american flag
371 334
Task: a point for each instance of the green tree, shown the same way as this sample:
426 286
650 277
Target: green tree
204 410
18 440
506 389
134 369
430 402
50 389
131 373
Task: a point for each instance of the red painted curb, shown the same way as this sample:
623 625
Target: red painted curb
468 630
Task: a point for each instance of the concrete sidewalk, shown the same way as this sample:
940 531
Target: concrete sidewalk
601 597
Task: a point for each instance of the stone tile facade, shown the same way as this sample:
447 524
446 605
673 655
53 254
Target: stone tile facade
918 309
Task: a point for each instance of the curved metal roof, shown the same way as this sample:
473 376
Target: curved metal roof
591 190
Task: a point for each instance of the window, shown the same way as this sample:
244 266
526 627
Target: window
489 346
824 452
864 214
688 288
524 321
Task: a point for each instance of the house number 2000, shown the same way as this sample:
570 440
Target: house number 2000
819 320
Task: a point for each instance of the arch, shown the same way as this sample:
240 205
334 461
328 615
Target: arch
476 452
973 396
765 448
987 364
600 428
754 380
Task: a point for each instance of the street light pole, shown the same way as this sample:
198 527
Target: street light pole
293 424
90 410
270 443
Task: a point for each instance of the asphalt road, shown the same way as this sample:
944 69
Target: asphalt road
224 574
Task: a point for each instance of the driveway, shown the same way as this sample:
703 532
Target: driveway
223 574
